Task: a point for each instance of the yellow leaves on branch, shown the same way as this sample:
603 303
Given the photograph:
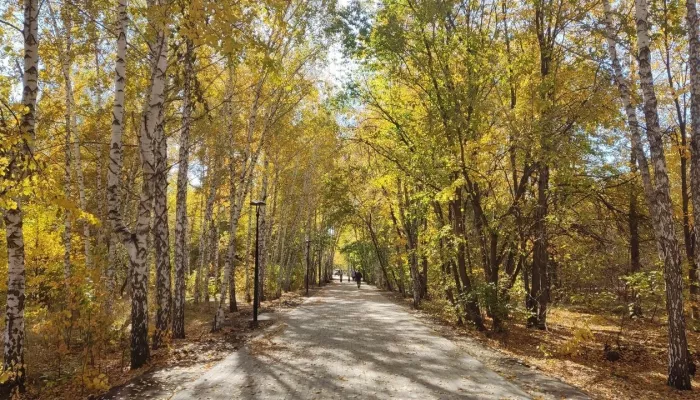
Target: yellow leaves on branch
72 206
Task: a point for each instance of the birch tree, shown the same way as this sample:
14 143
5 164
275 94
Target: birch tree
660 204
13 352
181 202
694 70
136 241
161 236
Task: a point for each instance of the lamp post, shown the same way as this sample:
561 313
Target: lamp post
308 261
256 289
320 262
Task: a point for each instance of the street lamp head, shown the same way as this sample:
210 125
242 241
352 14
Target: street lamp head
257 203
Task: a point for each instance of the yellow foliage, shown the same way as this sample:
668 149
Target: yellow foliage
576 344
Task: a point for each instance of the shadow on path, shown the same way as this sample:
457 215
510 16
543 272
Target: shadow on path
350 343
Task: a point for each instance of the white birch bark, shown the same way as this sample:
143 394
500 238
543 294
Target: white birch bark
162 238
667 242
13 350
67 228
694 66
247 255
205 236
73 160
136 242
181 201
241 182
213 248
234 213
202 229
70 127
240 186
625 92
263 227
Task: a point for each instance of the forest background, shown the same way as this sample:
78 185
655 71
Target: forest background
527 171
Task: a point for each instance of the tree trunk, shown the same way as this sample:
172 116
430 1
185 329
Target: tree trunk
375 242
137 242
72 137
239 188
151 118
633 220
181 200
263 228
230 253
65 59
468 298
678 376
213 247
202 242
410 227
246 261
539 289
202 282
540 285
162 239
13 352
694 65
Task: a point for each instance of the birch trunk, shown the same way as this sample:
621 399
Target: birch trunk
205 238
213 247
247 255
162 239
105 238
69 126
87 245
67 229
136 242
667 243
263 227
202 243
72 137
230 251
239 188
13 353
181 201
694 66
626 96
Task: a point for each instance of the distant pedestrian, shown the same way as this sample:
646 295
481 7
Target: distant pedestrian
341 276
358 278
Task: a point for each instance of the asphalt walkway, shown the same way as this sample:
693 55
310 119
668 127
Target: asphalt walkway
346 343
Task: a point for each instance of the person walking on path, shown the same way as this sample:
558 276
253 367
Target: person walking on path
341 276
358 278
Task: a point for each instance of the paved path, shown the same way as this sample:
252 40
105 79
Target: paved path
347 343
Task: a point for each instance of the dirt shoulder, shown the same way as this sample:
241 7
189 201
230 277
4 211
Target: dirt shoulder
186 360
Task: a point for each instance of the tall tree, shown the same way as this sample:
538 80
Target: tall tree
181 202
136 242
694 66
678 376
13 353
161 237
